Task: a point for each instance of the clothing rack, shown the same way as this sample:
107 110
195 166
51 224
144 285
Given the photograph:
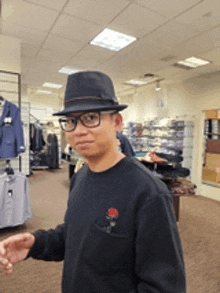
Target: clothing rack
37 120
9 170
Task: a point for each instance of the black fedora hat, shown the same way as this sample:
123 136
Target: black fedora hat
89 91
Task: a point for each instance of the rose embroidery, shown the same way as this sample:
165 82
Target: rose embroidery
112 214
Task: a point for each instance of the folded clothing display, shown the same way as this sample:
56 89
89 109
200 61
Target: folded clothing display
167 171
170 158
163 158
180 186
155 158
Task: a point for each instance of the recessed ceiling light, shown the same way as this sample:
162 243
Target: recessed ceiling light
112 40
68 70
52 85
193 62
43 92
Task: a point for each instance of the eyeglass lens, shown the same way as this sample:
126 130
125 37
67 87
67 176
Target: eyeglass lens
87 119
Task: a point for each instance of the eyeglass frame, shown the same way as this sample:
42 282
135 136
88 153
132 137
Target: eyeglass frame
79 119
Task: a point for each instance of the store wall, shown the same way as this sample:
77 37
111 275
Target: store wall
10 54
44 105
186 101
207 88
53 101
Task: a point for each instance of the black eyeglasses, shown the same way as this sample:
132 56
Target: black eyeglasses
89 120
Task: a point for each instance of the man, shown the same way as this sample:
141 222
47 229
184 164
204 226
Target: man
119 233
124 144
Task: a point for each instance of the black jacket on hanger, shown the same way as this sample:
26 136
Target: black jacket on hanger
52 153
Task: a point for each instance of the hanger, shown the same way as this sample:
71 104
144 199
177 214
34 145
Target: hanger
9 170
2 101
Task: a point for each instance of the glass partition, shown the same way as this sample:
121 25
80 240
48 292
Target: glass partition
211 158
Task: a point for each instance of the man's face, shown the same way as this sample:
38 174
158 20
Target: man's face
95 142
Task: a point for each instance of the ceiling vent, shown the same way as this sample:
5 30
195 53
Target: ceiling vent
168 58
146 79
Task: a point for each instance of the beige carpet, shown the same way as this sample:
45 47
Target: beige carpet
199 228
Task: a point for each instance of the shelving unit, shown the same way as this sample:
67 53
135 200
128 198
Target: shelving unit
168 136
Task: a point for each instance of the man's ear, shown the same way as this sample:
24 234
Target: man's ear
118 122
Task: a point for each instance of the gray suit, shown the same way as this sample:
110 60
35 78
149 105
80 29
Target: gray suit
15 206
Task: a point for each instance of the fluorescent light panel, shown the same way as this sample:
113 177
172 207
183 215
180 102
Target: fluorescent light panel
136 82
112 40
68 70
52 85
193 62
143 80
43 92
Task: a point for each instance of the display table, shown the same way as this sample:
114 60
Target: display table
178 188
173 175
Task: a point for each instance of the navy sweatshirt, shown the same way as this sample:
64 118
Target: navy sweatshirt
142 253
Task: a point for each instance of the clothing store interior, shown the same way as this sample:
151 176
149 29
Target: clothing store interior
164 60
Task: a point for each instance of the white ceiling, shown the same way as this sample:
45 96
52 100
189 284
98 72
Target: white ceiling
56 33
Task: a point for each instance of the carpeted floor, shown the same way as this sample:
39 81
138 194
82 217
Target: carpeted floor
199 229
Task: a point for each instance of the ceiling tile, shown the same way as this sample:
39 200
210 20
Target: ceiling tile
54 42
137 21
170 9
53 4
28 50
203 43
83 64
41 72
144 53
214 36
97 54
27 35
75 29
171 33
27 62
202 17
169 72
138 54
101 12
53 56
27 15
213 56
34 78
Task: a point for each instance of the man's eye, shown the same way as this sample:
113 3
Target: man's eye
71 121
91 117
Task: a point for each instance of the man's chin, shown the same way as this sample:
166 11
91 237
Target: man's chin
87 154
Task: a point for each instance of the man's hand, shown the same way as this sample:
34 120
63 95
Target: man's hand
15 249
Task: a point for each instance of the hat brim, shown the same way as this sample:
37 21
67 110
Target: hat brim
87 108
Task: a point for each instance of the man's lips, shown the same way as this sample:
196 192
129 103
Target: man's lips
84 142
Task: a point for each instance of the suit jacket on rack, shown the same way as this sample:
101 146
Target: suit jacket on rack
52 154
11 132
